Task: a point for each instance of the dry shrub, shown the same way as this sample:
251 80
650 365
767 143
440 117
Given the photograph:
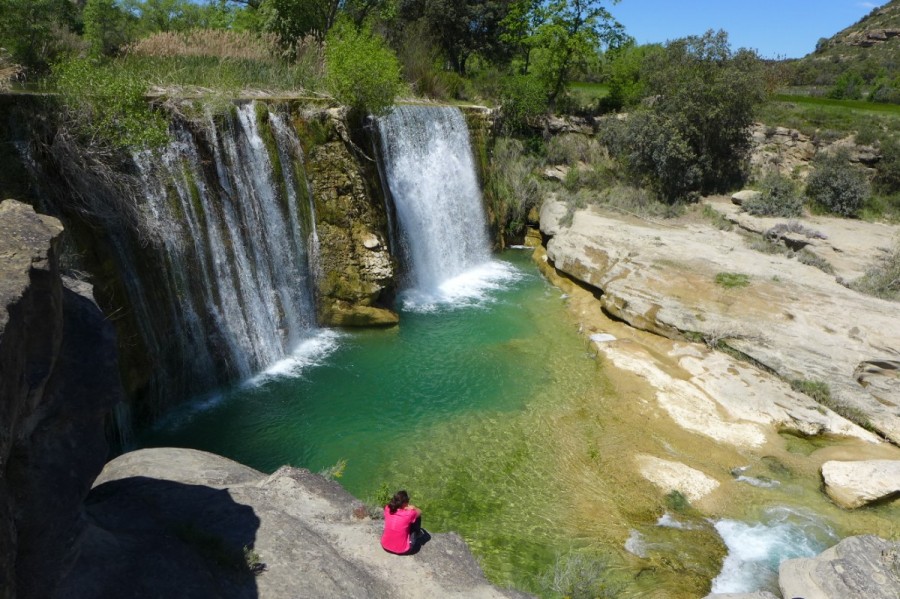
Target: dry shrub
9 71
214 43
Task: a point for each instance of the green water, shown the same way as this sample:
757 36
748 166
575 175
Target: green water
455 405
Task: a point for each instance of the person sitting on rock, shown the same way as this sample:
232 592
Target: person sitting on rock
403 533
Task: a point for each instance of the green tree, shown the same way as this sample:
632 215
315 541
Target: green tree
570 32
623 70
105 26
462 28
30 29
707 94
362 71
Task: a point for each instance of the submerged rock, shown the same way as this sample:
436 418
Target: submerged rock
855 484
865 566
184 523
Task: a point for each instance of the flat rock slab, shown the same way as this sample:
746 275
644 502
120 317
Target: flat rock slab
867 567
791 319
675 476
175 522
858 483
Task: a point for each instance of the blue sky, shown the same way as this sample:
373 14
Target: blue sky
776 28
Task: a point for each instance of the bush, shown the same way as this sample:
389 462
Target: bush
779 198
361 71
572 148
883 279
515 188
523 98
107 104
837 186
847 87
887 177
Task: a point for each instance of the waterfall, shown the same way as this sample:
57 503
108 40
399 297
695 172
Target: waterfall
429 173
230 211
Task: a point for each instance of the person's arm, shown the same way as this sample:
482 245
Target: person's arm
414 508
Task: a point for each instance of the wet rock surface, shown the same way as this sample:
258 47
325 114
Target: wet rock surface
865 566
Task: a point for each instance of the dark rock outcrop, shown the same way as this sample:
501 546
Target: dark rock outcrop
182 523
58 383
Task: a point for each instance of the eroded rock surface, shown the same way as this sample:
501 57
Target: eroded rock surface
58 382
356 272
865 566
791 319
189 514
858 483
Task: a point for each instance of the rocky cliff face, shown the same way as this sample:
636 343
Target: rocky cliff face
58 383
355 278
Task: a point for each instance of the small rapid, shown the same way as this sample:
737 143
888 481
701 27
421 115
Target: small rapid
755 550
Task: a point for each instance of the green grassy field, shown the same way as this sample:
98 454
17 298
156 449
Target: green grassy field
829 119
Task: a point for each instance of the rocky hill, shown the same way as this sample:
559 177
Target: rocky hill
871 45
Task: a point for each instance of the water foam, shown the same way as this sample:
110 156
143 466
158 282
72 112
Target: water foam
309 353
472 289
756 550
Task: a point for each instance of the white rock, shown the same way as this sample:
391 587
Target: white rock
675 476
855 484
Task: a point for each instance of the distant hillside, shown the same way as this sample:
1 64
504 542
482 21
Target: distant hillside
869 47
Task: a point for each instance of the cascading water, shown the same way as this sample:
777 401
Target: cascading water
231 234
429 172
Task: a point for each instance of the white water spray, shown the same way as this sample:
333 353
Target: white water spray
430 174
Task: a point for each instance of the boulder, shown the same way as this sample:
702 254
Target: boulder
184 523
745 195
865 566
858 483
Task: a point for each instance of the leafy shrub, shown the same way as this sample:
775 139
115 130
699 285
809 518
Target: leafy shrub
362 72
523 98
107 104
779 197
887 177
659 156
847 87
883 279
837 186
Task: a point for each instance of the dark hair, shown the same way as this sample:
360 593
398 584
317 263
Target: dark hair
399 499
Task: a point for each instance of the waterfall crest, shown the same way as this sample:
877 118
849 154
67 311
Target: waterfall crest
429 172
231 219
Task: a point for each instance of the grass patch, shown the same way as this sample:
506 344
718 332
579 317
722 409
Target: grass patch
821 393
732 280
826 119
716 218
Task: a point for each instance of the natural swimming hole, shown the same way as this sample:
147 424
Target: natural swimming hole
493 412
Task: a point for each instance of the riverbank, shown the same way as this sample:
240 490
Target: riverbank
717 426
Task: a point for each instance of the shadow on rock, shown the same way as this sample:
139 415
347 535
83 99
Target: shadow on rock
156 538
